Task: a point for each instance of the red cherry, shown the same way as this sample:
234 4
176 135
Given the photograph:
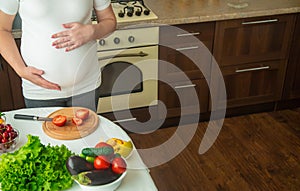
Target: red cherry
14 134
5 135
9 128
4 140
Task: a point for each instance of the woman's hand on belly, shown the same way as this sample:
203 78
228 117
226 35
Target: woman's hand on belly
75 35
34 75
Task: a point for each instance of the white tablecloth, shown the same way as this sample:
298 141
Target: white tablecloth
137 178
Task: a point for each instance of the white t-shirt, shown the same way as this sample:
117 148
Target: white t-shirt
76 71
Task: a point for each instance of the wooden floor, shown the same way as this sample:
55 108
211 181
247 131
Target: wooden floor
252 152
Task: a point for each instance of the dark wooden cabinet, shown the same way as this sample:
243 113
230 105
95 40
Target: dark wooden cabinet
253 39
253 83
184 71
185 97
252 54
292 80
11 91
6 102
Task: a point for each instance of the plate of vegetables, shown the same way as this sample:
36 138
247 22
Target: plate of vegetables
97 168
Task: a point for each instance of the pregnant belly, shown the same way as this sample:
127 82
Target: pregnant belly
66 68
71 73
65 76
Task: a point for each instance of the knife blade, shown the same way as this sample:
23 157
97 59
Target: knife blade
32 117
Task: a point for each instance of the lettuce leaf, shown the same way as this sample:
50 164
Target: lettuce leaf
35 166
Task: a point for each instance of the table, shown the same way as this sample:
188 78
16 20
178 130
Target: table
137 178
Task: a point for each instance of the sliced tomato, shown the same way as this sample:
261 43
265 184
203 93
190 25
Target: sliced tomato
118 165
101 162
59 120
82 114
77 121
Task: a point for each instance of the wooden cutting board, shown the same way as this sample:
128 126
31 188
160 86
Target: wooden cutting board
71 131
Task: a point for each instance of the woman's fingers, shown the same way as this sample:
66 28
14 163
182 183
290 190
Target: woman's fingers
64 44
49 85
35 76
76 35
61 40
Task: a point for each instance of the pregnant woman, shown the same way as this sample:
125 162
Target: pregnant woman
58 56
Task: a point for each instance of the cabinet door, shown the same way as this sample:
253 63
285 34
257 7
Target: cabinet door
6 102
179 98
292 83
253 83
177 62
11 96
16 86
181 43
253 39
185 47
180 34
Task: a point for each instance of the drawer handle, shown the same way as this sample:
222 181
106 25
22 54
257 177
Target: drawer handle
188 34
1 67
252 69
260 22
187 48
185 86
125 120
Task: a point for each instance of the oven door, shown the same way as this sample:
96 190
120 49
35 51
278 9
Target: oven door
128 78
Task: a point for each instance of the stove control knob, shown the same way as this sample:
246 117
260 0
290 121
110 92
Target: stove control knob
138 13
102 42
116 40
130 11
146 12
131 39
129 14
121 14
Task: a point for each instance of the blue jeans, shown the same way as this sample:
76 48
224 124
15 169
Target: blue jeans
88 100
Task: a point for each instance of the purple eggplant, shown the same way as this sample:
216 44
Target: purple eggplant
76 164
96 177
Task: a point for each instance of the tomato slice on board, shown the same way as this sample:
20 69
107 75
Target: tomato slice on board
59 120
82 113
77 121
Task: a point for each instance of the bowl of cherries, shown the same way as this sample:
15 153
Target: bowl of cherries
9 138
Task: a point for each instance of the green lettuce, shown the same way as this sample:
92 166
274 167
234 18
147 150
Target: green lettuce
35 166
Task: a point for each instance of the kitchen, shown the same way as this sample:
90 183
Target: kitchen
243 156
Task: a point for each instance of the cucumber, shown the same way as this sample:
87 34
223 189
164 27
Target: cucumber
93 152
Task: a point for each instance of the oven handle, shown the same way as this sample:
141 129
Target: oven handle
140 54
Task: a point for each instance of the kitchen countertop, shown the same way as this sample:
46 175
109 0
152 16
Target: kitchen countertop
189 11
173 12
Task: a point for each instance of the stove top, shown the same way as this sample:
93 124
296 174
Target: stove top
132 10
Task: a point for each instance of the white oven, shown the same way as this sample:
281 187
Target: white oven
129 69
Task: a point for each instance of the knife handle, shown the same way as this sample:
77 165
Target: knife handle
25 117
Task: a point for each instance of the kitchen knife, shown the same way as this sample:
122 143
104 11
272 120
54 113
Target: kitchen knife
32 117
